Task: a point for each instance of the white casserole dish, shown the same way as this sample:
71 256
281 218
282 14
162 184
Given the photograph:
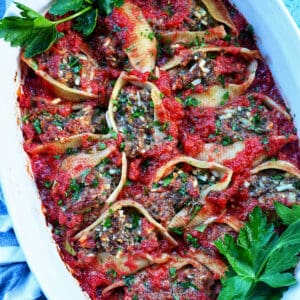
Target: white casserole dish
279 41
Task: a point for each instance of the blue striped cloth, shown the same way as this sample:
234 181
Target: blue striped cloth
16 280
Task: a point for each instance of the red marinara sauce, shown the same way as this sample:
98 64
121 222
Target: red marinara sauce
50 124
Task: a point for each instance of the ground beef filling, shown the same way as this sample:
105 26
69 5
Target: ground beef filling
185 283
197 71
179 189
87 193
199 19
119 232
239 123
274 185
134 114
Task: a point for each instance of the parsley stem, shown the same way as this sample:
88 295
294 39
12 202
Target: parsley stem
73 16
88 1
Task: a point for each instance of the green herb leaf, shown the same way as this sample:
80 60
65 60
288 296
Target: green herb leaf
32 31
260 261
221 79
112 273
107 222
226 141
69 248
173 272
190 101
86 23
167 180
101 146
37 126
37 34
192 240
177 230
106 6
61 7
129 280
287 215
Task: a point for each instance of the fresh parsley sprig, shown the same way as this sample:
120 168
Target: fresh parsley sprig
37 34
261 263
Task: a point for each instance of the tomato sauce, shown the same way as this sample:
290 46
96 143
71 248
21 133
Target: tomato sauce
189 127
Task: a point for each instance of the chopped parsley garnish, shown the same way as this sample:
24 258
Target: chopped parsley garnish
167 180
112 273
139 112
192 240
187 284
122 146
37 126
114 134
48 184
277 177
190 101
73 64
75 188
177 230
227 38
297 185
107 223
226 141
196 209
101 146
129 280
225 98
95 183
173 272
135 221
221 79
212 55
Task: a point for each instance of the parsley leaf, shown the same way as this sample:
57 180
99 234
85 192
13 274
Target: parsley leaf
106 6
86 23
260 261
190 101
61 7
37 34
31 30
287 215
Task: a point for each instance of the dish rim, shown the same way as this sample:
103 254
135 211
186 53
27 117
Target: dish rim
65 286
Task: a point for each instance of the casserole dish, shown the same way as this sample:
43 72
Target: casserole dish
19 188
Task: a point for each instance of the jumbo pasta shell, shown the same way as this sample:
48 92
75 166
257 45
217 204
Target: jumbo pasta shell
183 217
270 103
214 95
174 263
220 154
57 87
120 260
179 58
281 165
61 146
189 37
274 181
74 164
134 113
140 42
225 172
216 265
126 203
219 12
